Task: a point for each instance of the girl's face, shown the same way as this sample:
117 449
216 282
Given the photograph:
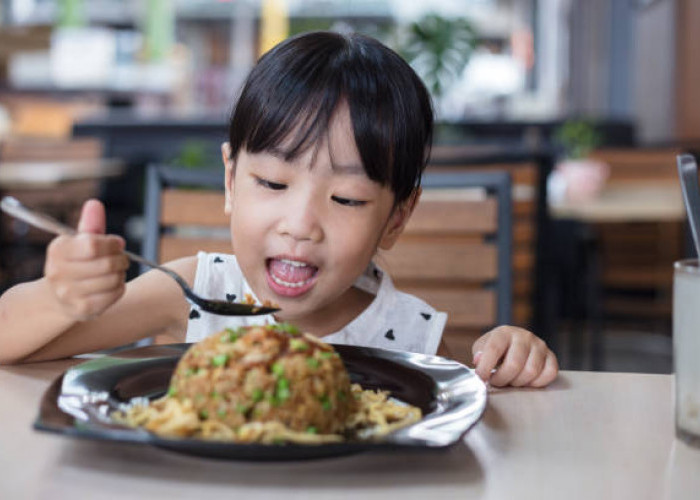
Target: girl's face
303 231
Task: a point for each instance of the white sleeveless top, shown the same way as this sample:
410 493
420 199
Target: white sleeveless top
393 320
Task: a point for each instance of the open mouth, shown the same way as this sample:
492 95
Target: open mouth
290 277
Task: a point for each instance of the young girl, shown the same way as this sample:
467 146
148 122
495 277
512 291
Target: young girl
327 144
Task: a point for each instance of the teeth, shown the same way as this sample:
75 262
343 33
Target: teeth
288 284
294 263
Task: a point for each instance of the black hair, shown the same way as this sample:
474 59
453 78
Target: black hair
296 87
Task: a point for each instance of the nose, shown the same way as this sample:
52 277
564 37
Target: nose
302 218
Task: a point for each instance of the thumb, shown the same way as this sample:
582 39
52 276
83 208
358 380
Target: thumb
92 218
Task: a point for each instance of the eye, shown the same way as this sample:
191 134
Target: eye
347 202
275 186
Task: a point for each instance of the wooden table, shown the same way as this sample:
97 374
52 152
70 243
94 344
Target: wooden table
588 436
627 202
33 175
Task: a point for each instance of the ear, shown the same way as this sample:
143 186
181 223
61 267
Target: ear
398 220
230 166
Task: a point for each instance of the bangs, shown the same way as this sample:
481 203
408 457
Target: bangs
287 103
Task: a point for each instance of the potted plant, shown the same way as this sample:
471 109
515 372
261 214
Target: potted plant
577 177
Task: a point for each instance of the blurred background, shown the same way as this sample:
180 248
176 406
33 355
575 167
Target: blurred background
584 102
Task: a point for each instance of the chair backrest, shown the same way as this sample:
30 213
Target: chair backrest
528 226
455 252
184 213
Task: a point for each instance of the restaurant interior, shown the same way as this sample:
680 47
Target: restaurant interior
583 104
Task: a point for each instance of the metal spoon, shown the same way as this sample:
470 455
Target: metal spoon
14 208
688 172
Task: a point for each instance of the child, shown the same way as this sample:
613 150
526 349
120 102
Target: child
327 144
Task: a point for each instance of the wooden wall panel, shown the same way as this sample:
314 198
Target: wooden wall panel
687 70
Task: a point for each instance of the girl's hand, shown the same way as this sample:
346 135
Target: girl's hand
86 272
525 360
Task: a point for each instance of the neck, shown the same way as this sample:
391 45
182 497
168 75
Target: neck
333 318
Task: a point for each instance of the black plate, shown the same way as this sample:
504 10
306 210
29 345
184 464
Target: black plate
451 396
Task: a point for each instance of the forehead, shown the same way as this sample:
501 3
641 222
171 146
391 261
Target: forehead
336 143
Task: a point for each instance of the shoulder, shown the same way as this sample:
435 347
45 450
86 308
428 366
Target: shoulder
185 267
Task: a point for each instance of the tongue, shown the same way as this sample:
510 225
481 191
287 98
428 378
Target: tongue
289 273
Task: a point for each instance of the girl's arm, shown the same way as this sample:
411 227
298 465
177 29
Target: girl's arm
82 303
33 327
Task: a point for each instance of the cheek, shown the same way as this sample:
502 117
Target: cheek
247 224
356 239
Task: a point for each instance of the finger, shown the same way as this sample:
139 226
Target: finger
512 364
75 292
92 217
99 285
533 367
491 353
71 271
86 246
549 372
478 346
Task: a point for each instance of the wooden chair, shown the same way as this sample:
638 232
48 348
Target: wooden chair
616 259
636 256
527 220
184 213
456 253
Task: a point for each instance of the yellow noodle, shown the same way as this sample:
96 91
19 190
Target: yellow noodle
171 417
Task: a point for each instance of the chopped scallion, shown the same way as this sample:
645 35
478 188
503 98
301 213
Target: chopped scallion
219 360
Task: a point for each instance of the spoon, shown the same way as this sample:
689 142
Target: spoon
14 208
688 172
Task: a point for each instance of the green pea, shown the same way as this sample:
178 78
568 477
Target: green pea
287 328
282 393
312 363
327 355
219 360
203 414
311 430
172 391
277 369
258 395
231 335
325 402
298 345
